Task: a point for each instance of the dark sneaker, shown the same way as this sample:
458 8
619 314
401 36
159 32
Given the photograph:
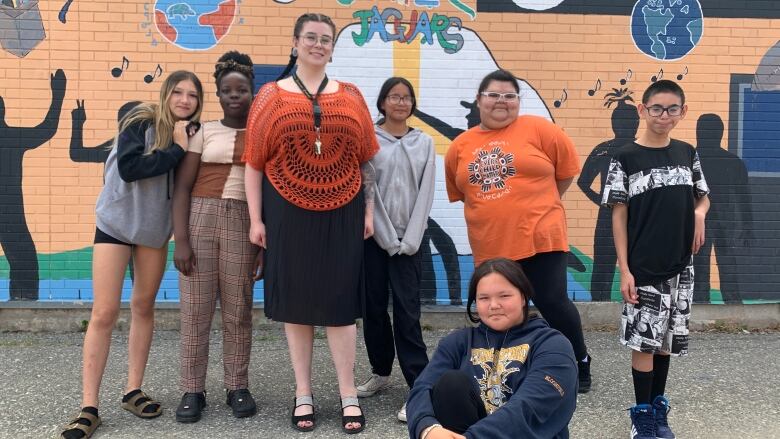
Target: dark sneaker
190 407
583 375
642 422
661 408
242 403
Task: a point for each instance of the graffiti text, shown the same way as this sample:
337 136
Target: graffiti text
437 27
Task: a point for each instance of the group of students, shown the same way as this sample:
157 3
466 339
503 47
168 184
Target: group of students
298 186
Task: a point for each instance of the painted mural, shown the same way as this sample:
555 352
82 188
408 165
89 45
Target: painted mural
71 70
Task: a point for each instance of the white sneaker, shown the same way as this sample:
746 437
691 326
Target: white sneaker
373 385
402 413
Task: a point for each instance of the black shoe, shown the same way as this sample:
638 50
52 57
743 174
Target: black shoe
190 407
242 403
583 375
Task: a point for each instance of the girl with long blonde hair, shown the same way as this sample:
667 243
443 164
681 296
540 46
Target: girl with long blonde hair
133 221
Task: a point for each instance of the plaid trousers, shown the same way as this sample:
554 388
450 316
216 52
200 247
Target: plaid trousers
224 257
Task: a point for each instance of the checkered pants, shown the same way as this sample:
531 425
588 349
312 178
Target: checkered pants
224 257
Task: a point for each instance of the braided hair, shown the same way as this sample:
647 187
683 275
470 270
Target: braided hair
234 61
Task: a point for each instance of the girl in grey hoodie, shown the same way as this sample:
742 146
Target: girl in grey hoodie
405 174
133 221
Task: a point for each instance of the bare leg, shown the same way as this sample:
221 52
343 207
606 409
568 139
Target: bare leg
109 262
342 342
300 342
149 265
641 361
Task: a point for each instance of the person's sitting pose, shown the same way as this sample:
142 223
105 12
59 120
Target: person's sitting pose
512 376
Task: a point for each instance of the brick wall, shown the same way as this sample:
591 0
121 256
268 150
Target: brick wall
569 55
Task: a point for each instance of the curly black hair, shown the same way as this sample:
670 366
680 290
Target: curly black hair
234 61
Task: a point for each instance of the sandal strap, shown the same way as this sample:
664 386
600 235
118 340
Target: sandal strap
350 401
304 400
81 427
88 416
88 430
133 401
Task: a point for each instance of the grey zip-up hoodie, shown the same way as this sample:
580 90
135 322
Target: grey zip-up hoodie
135 203
404 187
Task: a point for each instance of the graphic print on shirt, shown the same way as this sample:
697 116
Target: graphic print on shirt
619 188
492 168
496 368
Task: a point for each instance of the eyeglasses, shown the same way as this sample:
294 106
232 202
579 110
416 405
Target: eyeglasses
658 111
396 99
495 96
310 40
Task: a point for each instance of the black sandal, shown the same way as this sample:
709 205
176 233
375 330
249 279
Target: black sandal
88 430
352 401
297 402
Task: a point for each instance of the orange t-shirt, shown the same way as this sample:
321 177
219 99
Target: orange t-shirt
507 180
280 142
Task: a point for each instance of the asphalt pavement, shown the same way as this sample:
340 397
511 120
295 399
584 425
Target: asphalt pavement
728 387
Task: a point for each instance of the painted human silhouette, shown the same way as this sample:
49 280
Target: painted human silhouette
17 243
729 220
625 123
95 154
434 233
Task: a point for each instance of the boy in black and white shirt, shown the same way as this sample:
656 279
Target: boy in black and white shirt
658 193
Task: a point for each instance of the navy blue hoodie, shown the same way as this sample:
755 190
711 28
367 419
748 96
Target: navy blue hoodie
537 392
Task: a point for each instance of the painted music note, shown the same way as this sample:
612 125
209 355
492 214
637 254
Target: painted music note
64 11
595 88
150 77
563 99
682 75
629 74
117 71
658 76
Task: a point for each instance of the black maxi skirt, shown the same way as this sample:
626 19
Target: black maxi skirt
313 261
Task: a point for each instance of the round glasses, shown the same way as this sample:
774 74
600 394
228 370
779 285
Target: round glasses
397 99
310 40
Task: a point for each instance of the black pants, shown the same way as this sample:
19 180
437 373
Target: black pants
456 401
547 274
403 274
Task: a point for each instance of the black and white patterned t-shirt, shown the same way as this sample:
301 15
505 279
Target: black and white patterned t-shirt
660 186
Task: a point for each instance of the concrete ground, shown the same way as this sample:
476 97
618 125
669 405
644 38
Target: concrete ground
727 388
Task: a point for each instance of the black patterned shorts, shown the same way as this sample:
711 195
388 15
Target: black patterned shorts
659 322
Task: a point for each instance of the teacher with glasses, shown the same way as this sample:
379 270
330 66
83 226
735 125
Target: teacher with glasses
510 172
310 193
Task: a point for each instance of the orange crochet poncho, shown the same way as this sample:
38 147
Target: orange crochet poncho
280 142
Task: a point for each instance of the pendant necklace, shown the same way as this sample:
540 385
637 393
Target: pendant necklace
315 107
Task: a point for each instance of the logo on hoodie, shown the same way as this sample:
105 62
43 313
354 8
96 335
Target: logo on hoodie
497 366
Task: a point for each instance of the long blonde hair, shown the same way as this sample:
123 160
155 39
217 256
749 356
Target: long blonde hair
160 113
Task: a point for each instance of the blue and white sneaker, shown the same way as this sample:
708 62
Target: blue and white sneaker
642 422
661 408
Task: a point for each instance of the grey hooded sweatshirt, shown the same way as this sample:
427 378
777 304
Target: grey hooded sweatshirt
404 188
135 203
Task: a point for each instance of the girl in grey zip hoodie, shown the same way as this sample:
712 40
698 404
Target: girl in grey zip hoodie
404 188
133 221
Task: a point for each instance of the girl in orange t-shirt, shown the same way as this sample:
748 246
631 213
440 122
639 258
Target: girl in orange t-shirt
511 172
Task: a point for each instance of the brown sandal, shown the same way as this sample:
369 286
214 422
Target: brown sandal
135 407
88 430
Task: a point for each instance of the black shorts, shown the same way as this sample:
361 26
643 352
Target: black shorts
102 237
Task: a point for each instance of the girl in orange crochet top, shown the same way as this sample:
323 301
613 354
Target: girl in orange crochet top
308 143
